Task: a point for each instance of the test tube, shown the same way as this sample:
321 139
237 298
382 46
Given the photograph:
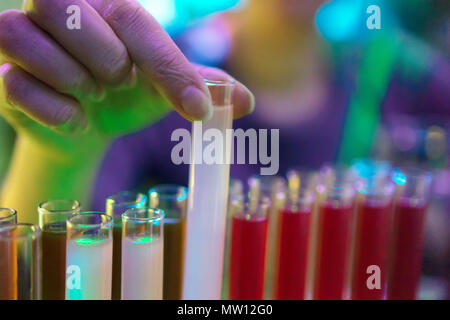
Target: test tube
142 254
116 205
7 216
53 216
273 187
294 236
172 199
249 248
372 231
410 207
89 256
236 190
334 231
20 263
208 198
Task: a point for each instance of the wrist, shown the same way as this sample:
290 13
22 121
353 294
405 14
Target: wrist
38 173
62 150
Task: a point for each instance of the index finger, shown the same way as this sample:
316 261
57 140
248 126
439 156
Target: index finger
157 56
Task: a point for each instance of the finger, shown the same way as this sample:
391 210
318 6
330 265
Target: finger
24 44
156 55
95 45
23 92
243 100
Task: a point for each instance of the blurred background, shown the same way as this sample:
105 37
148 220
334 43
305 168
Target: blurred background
335 89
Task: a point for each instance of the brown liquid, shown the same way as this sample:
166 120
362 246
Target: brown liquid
54 265
117 263
174 230
8 270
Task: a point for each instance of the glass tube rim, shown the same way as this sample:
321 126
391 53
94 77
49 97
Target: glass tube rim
219 82
243 203
411 172
107 224
36 231
378 166
159 215
277 183
12 213
304 200
140 198
165 195
43 210
387 189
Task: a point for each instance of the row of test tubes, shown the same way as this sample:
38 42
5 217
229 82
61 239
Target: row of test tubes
336 233
122 244
77 255
314 235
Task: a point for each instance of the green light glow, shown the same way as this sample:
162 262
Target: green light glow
142 240
87 242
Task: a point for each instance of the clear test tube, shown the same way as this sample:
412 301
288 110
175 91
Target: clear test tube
53 217
89 256
208 197
236 191
336 195
411 200
249 247
7 216
372 230
116 205
142 254
172 200
292 252
20 263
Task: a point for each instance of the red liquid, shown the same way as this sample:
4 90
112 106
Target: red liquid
371 247
292 254
333 250
407 245
248 252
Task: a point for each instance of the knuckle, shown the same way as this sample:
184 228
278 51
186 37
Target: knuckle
115 66
126 13
73 84
168 65
60 116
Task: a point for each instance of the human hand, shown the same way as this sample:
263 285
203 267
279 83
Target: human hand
71 89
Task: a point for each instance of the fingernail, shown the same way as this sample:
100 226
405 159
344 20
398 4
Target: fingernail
196 104
98 94
131 79
77 123
252 100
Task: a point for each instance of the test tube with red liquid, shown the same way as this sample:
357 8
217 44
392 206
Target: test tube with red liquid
273 187
248 248
294 235
411 203
372 230
236 191
335 220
